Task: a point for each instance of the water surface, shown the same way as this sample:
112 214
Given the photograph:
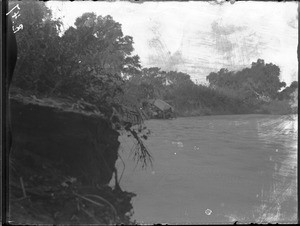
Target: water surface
216 169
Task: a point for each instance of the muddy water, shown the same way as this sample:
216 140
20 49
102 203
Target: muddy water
216 169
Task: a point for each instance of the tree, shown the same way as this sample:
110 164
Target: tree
102 39
86 62
265 78
177 79
151 81
38 47
98 56
286 94
261 80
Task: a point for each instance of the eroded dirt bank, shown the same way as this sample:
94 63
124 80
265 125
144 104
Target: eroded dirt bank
62 158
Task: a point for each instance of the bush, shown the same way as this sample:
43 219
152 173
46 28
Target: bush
277 107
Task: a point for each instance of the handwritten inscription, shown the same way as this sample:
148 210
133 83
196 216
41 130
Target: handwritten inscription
14 16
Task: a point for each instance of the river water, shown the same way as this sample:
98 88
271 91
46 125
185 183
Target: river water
215 169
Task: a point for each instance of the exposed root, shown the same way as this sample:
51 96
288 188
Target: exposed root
104 200
89 200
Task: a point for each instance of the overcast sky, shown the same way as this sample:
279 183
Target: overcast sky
201 37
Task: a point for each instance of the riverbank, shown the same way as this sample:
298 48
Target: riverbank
62 159
276 107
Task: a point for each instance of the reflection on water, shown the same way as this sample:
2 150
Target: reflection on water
282 196
216 169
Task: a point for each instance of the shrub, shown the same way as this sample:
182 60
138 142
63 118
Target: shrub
277 107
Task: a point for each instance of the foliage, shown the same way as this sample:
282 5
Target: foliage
178 89
87 63
177 79
93 61
288 91
99 41
229 92
277 107
37 47
147 84
259 81
294 101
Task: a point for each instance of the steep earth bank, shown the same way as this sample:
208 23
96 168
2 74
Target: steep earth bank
62 158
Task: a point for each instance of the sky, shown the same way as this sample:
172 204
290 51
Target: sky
201 37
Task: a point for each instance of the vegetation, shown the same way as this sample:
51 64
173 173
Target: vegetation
251 90
92 64
84 67
259 80
258 86
86 63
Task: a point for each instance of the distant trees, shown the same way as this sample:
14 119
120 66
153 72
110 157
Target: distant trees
155 83
243 91
177 79
179 90
258 86
261 80
288 91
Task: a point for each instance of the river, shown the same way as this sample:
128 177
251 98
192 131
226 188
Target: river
215 169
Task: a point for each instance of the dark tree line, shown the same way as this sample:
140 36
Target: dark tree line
260 80
229 92
258 85
179 90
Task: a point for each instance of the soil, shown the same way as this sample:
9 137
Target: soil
62 158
